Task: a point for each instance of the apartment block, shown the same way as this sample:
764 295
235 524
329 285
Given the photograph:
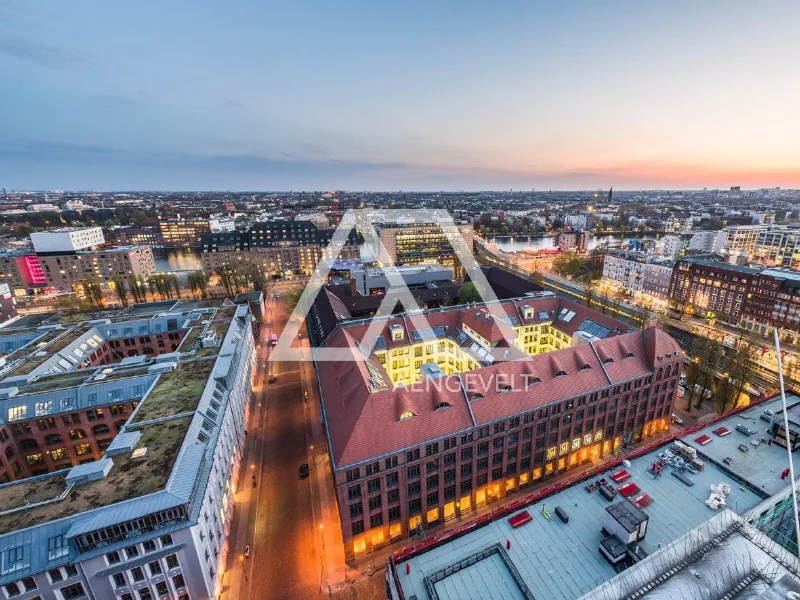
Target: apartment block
67 270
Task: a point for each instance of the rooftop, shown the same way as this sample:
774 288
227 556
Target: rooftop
561 560
177 391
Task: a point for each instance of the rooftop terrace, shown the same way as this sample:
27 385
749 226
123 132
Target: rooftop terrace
176 392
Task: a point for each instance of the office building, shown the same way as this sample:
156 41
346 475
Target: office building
138 236
708 241
121 449
183 233
421 243
777 248
369 281
743 237
478 405
67 239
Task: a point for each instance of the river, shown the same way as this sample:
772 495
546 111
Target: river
523 242
177 260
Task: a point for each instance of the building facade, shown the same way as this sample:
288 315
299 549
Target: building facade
68 239
777 248
138 236
22 271
706 287
420 243
708 241
67 270
467 419
142 514
183 233
743 237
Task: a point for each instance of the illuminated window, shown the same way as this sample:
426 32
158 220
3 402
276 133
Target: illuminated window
576 443
564 448
407 415
598 436
587 439
551 453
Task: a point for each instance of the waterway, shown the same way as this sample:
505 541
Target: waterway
523 242
177 260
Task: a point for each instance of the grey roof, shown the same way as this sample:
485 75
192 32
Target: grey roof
760 466
721 265
561 561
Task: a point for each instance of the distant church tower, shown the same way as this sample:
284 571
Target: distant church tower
610 193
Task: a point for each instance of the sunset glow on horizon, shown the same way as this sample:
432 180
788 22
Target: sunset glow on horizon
418 95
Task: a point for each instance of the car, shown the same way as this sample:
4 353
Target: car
676 419
767 415
303 470
745 429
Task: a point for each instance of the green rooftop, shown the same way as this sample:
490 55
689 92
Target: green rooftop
176 392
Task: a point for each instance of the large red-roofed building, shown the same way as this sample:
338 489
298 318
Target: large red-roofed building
481 402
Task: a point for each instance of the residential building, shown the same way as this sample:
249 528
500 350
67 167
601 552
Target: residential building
572 240
22 271
672 246
625 270
121 448
67 270
280 246
743 237
626 528
67 239
705 286
657 277
480 403
575 221
777 248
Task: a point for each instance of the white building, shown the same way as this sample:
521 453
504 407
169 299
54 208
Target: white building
221 224
67 239
638 273
575 221
43 208
673 245
708 241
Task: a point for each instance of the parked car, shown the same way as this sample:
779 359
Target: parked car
303 471
745 429
767 414
676 419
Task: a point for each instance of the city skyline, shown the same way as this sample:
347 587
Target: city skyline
414 97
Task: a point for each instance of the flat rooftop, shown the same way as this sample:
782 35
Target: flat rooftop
561 561
761 465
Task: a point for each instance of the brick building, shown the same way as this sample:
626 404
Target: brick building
479 405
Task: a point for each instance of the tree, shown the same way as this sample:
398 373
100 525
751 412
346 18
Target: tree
701 372
72 304
121 289
138 289
589 293
93 291
567 264
468 293
739 368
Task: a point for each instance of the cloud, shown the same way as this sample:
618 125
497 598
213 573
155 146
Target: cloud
41 54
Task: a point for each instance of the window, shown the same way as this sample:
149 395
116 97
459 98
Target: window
112 557
12 589
144 593
55 575
376 520
391 478
354 491
138 574
413 488
412 455
393 496
466 453
119 580
374 485
58 453
374 503
412 472
450 459
132 552
155 568
432 482
353 474
57 547
394 514
178 581
356 509
390 463
83 449
161 588
358 527
13 560
172 561
149 545
73 591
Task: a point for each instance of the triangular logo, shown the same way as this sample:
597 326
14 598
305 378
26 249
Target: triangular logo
398 292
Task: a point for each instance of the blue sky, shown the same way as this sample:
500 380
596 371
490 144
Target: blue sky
398 95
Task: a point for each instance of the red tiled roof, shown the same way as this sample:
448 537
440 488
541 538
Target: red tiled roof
486 324
364 424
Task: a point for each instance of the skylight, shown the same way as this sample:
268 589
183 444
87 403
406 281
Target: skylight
407 415
543 316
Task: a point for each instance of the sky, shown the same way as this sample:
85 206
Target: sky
411 95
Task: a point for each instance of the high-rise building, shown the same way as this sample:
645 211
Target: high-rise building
120 448
420 243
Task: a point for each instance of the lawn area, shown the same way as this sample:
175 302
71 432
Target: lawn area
176 391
